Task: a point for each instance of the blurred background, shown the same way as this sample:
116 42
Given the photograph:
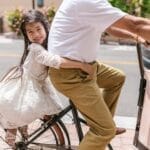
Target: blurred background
114 51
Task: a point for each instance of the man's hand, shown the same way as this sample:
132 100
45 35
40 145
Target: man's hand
143 41
147 44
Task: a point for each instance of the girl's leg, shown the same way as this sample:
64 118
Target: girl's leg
24 131
11 137
46 117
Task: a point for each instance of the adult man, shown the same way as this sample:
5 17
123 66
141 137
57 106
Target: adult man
75 34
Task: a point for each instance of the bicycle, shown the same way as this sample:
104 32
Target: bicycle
59 138
144 64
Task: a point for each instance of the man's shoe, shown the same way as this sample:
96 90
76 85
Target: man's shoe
120 131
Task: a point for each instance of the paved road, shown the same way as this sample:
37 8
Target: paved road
123 57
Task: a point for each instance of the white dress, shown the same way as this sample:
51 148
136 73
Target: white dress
31 96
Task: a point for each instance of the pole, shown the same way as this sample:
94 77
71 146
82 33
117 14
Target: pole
33 4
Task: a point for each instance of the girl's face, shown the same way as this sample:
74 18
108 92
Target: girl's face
36 32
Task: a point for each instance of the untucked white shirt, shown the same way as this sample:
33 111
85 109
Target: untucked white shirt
77 27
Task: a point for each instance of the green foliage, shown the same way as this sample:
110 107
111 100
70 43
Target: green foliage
14 18
134 7
49 13
120 4
146 8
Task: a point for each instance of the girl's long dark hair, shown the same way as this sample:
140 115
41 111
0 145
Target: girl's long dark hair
29 17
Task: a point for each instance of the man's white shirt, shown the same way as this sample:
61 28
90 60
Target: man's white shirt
77 27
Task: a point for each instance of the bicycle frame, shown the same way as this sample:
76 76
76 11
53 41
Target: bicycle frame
44 127
57 118
142 89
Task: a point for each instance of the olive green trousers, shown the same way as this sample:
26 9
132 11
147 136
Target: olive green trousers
96 105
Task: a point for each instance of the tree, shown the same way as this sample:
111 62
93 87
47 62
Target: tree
134 7
145 8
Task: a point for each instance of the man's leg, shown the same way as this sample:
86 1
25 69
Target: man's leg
87 97
111 80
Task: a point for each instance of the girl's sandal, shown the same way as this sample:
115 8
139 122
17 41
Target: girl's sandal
24 132
11 137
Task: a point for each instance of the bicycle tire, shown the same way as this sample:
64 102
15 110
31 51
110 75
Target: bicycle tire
52 138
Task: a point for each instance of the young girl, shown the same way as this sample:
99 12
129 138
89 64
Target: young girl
25 92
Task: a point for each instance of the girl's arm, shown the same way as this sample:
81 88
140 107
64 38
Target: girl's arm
67 63
44 57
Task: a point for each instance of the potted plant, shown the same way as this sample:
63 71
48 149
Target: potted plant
14 18
49 12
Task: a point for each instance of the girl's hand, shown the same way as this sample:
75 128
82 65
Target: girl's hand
67 63
89 69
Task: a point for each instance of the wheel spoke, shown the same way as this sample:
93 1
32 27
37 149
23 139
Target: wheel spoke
51 139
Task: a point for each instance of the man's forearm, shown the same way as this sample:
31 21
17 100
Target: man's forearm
144 32
137 25
120 33
143 27
142 21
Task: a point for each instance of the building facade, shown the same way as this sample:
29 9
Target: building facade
27 4
7 5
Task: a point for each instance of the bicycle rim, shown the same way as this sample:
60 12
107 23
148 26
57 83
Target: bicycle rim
52 139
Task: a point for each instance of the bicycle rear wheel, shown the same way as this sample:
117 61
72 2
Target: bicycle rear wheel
52 139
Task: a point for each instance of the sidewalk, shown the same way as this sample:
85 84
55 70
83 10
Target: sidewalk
120 142
124 141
